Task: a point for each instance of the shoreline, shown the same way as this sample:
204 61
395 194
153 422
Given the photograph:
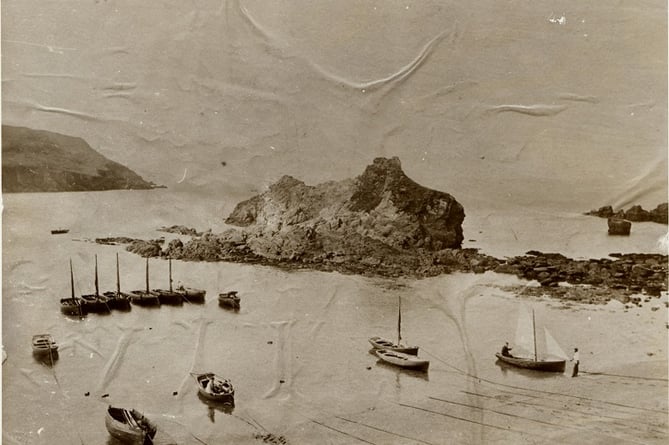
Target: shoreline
622 277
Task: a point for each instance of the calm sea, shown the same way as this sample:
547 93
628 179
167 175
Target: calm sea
297 351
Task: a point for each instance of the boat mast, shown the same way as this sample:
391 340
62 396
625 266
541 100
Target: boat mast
170 261
71 280
534 336
118 278
97 289
147 275
399 321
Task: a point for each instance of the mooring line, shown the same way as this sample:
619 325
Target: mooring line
530 419
482 379
632 423
384 431
467 420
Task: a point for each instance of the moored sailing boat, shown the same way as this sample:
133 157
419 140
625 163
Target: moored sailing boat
95 302
118 300
72 305
144 297
383 343
553 360
168 296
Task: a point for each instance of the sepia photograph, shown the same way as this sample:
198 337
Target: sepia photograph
308 222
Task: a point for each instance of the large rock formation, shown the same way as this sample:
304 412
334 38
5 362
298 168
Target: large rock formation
43 161
635 213
380 210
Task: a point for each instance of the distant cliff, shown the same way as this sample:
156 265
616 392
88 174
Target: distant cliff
43 161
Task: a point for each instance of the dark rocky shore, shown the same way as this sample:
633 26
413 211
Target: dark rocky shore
634 214
384 224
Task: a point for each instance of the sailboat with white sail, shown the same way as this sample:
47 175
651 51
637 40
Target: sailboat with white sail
384 343
550 357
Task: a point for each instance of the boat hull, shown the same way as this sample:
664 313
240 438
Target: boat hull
229 299
117 301
190 295
44 344
69 306
382 343
226 396
168 297
538 365
95 304
402 360
142 298
123 431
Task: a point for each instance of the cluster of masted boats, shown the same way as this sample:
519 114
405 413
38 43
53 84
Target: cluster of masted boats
106 301
554 360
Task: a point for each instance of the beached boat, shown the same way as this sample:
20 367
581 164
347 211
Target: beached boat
181 294
59 231
129 426
403 360
95 302
144 297
44 344
118 300
229 299
384 343
215 388
72 305
553 360
168 296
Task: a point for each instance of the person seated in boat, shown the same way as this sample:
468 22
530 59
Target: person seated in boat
506 350
211 386
180 286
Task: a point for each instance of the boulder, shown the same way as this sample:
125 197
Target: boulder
619 226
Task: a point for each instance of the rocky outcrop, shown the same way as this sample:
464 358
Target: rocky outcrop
619 226
43 161
635 214
381 211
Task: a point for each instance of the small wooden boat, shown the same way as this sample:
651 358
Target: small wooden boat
229 299
535 365
181 294
44 344
215 388
129 426
383 343
191 295
526 339
95 303
73 305
59 231
144 297
402 360
117 299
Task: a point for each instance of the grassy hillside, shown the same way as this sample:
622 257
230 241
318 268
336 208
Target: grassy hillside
43 161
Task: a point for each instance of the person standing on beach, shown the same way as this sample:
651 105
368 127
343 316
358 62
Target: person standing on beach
575 359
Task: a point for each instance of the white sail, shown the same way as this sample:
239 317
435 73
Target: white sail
524 342
552 347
